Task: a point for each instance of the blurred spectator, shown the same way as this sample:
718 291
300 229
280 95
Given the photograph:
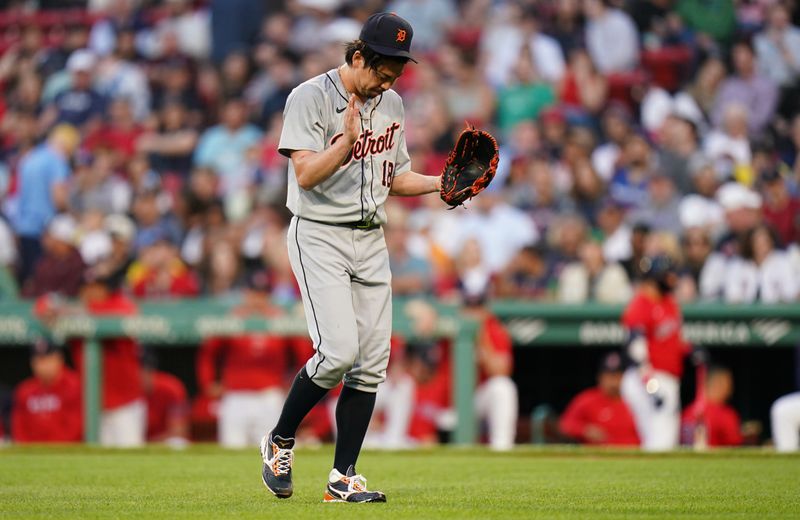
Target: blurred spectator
583 88
756 93
411 274
679 148
711 21
616 233
167 405
710 417
123 421
47 406
249 371
781 210
189 27
599 415
152 222
234 26
616 124
777 48
94 186
118 135
762 271
79 104
513 35
729 146
660 211
60 268
629 184
742 208
527 276
430 19
611 37
785 418
159 273
468 97
223 147
170 145
697 247
525 96
115 16
593 279
42 192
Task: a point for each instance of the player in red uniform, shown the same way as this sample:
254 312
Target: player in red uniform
651 387
599 415
720 422
47 406
167 405
253 371
124 419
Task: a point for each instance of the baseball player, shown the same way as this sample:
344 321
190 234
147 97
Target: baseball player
651 387
344 133
785 419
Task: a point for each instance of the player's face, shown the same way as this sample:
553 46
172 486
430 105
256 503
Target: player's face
373 82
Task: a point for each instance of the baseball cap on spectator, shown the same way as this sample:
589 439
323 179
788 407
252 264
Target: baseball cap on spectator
258 280
44 347
120 227
733 195
82 60
63 228
612 362
389 35
95 246
553 115
697 211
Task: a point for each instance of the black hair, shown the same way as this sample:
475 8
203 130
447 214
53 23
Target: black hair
372 59
746 240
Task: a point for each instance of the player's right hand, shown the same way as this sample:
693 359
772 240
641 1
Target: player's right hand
352 120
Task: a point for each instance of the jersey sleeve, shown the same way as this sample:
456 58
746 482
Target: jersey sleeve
303 121
573 421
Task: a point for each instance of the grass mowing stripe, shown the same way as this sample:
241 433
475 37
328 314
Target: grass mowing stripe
207 482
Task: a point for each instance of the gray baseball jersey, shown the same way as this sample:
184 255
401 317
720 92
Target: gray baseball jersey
343 272
313 120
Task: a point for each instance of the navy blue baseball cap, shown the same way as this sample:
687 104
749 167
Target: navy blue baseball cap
389 35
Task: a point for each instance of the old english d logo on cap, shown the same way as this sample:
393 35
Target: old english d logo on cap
389 35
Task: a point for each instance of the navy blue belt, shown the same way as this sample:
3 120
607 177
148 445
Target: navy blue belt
366 225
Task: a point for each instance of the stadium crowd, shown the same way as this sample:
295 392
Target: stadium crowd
138 156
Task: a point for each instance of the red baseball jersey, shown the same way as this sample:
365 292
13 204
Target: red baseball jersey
122 379
166 401
249 362
661 321
594 407
498 339
48 413
722 423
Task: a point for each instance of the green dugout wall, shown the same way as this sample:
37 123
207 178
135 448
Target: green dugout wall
530 324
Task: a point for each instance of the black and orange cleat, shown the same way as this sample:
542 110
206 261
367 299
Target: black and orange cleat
276 471
350 488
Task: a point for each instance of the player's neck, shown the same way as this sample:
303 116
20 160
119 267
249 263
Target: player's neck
651 291
346 76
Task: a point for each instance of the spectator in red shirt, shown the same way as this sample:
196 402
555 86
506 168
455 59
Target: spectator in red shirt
781 210
47 406
167 405
248 372
599 415
711 417
124 418
60 268
118 135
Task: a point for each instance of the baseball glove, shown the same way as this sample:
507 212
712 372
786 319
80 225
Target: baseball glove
470 167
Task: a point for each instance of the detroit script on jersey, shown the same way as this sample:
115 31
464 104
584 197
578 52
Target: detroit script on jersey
367 144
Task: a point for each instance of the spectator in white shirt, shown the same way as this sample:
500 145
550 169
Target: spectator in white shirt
762 273
611 37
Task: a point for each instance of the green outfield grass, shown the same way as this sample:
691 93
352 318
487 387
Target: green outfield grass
207 482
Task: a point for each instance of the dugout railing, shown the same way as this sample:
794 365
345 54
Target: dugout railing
188 322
